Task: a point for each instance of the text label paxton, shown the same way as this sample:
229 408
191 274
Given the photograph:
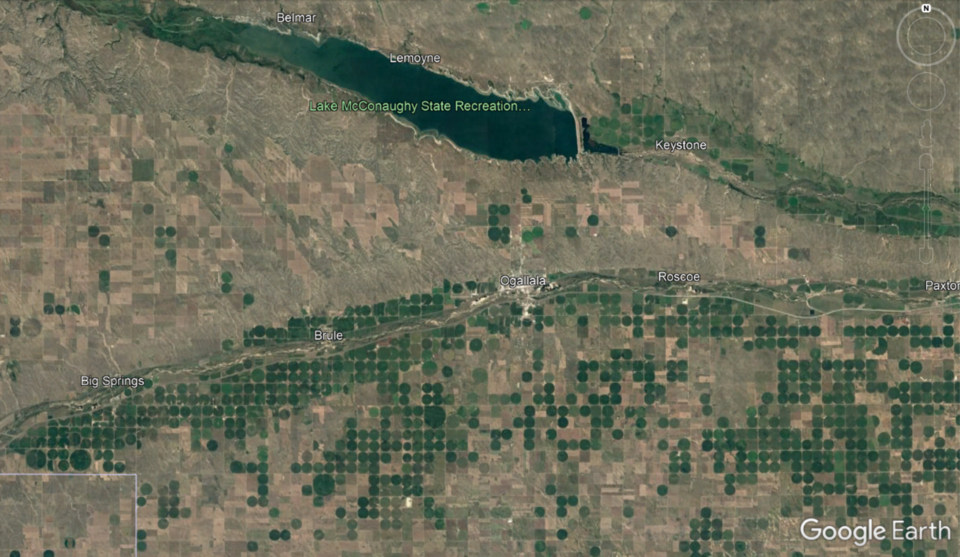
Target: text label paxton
947 285
868 532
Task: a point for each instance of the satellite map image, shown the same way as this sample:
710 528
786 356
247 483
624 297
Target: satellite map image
665 278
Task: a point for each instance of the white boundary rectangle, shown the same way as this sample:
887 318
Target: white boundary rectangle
136 490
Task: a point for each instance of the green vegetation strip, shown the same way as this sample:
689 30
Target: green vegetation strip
417 426
769 172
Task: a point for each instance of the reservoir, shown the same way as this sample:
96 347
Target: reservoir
531 129
535 129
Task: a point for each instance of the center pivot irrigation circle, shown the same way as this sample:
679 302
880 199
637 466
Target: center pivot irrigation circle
916 51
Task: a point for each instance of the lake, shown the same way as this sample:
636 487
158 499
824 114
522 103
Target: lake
532 130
